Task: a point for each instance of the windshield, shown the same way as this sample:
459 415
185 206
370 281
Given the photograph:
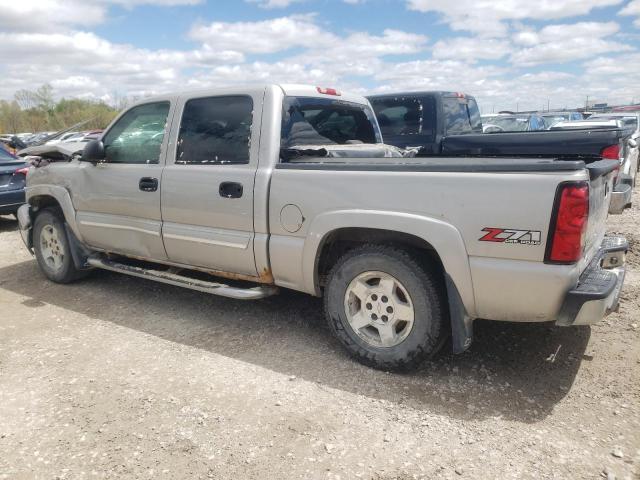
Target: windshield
324 121
5 156
512 124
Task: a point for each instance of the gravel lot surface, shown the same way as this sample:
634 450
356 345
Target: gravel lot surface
118 377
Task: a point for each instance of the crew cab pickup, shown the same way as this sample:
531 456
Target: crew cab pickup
449 124
239 192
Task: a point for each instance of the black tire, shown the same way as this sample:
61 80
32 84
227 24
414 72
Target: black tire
67 271
425 289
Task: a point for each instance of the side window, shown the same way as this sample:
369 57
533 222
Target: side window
137 136
215 131
474 116
537 123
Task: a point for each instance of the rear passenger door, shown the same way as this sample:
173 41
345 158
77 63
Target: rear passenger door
207 184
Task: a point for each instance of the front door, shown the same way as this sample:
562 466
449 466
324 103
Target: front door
118 201
207 184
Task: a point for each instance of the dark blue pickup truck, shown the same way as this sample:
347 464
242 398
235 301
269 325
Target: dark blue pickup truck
449 124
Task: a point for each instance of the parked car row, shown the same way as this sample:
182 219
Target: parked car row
15 142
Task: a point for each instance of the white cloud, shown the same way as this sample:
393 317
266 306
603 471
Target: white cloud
632 9
486 17
471 49
267 36
269 4
565 42
83 64
48 15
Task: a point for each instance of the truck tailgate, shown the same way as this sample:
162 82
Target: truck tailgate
601 178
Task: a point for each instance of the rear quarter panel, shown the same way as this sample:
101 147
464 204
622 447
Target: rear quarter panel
449 210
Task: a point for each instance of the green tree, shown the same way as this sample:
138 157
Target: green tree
37 111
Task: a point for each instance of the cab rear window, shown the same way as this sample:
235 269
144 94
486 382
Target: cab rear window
461 115
319 121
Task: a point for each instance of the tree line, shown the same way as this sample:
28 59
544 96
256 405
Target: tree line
38 111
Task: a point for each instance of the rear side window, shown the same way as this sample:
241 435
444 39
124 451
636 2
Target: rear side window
137 136
461 115
536 123
215 131
322 121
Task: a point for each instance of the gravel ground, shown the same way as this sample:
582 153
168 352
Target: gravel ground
120 377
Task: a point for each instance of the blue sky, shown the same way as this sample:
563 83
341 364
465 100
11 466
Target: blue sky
505 52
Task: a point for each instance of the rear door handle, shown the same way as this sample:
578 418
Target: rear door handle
148 184
230 190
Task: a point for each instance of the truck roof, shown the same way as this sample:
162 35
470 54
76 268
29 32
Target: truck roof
287 89
441 93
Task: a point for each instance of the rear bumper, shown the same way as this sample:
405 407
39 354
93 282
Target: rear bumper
598 290
620 198
10 200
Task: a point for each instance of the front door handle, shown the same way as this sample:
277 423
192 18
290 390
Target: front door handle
148 184
230 190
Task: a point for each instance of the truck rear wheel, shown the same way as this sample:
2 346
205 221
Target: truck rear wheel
51 247
385 308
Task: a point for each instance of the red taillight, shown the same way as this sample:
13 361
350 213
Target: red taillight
22 171
570 225
328 91
612 152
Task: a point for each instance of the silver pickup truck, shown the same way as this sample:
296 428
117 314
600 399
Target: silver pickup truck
239 192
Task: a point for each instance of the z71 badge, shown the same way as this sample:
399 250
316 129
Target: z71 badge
511 235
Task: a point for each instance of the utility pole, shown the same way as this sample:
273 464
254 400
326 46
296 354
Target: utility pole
586 103
517 107
548 103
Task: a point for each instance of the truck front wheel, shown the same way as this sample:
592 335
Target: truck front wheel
51 247
385 308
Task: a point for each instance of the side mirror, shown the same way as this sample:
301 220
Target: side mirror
633 143
93 152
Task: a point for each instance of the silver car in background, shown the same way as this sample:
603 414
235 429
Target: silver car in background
626 152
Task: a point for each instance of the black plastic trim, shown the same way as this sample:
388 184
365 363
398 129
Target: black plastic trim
601 167
458 164
461 323
576 298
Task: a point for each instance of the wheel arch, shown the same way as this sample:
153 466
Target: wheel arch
439 239
43 196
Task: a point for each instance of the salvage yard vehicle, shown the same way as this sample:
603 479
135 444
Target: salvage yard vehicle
523 122
449 124
285 186
551 118
13 173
